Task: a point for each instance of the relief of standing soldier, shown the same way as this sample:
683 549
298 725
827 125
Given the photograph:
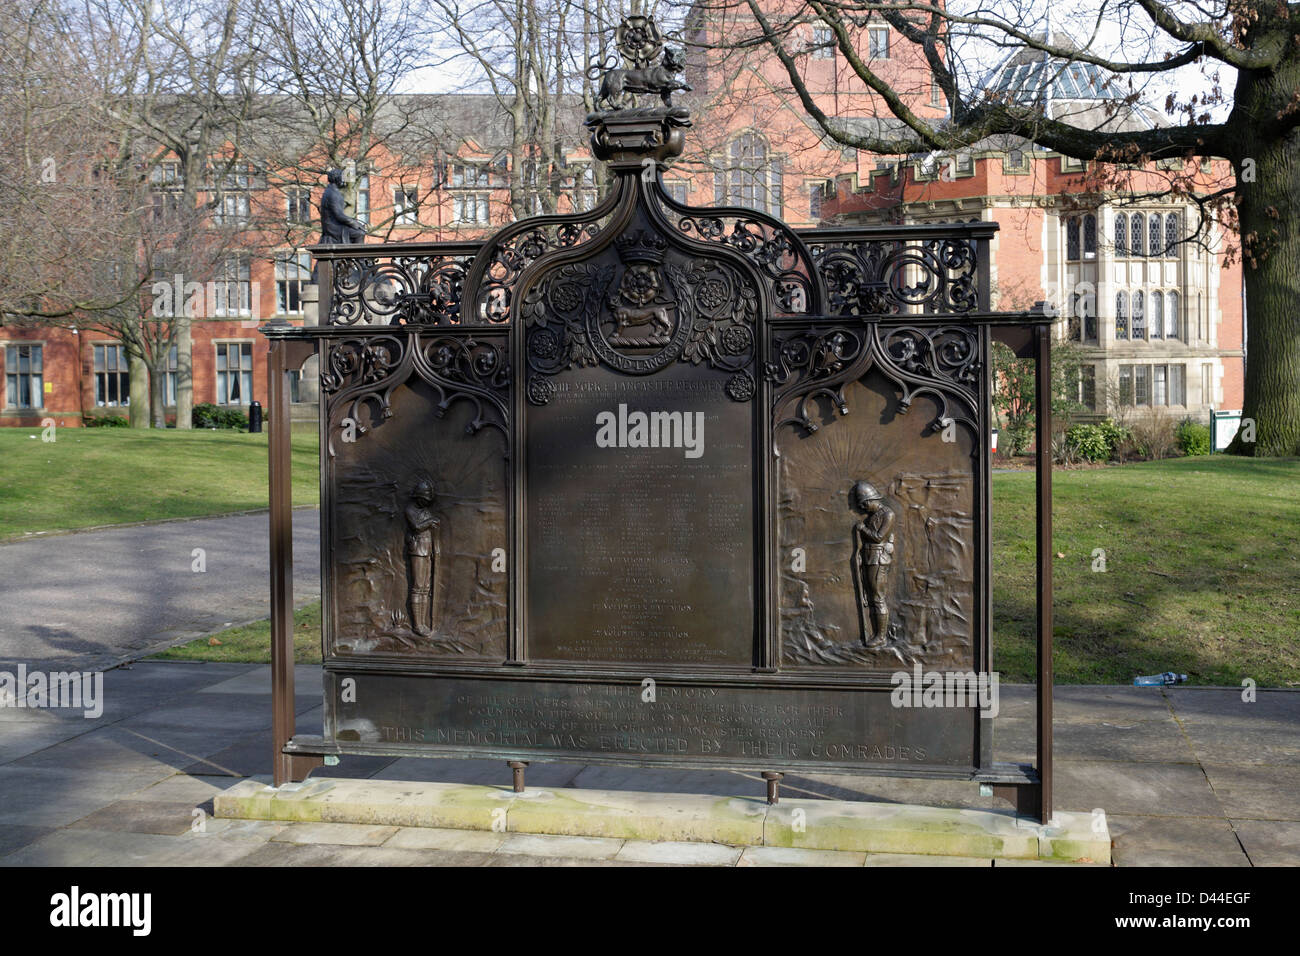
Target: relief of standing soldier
873 557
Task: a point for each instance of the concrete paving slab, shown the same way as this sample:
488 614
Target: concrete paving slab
1249 792
317 854
20 739
14 836
240 714
183 788
915 860
788 856
1276 707
571 847
1227 740
429 838
1116 703
307 678
144 816
87 848
679 854
258 831
1174 841
1270 843
129 750
56 797
336 834
1165 789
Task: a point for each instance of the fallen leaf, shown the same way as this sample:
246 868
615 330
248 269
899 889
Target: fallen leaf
213 642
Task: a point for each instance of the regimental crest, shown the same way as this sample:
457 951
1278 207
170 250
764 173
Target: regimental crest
640 314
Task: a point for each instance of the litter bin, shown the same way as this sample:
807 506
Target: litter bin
254 417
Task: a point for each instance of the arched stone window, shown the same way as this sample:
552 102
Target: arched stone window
1121 233
1089 236
1121 315
1136 234
1072 239
1157 307
1173 318
1173 233
1139 319
753 177
1155 241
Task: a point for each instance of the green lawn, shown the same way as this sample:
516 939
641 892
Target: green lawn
96 476
252 642
1202 572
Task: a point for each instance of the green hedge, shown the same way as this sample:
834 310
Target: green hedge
1193 437
1095 442
207 415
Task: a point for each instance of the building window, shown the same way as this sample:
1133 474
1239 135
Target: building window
234 373
406 206
1088 387
936 92
233 286
112 379
1072 239
24 378
816 193
1121 232
1173 233
1141 385
1139 318
1126 384
298 206
292 269
470 176
754 180
167 175
363 199
166 207
1090 236
171 379
1173 320
1121 315
878 43
1155 241
232 210
676 190
1157 315
1135 234
823 44
470 207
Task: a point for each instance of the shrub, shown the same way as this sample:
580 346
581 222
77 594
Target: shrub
109 421
207 415
1154 434
1193 437
1095 442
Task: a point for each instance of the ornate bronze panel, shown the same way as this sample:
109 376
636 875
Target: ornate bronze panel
657 485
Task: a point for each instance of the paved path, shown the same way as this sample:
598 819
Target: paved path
1187 776
94 598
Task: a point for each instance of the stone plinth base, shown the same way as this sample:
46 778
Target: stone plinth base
804 824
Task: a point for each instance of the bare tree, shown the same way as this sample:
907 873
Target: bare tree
1142 44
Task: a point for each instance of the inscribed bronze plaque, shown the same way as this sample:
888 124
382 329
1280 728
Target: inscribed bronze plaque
640 520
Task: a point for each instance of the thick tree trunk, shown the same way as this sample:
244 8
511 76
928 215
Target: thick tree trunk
184 372
1268 208
157 408
138 410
